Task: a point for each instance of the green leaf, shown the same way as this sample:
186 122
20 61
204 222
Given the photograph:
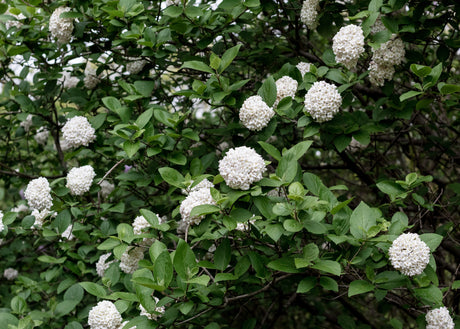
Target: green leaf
62 221
65 307
131 148
228 57
359 287
144 118
310 252
225 277
197 65
201 280
268 91
287 168
163 269
292 225
109 244
185 261
270 149
125 232
306 285
51 260
111 103
409 94
93 289
432 240
204 209
341 142
150 217
391 188
362 219
7 319
172 176
446 89
18 305
420 70
274 231
431 295
144 88
222 255
328 266
285 264
298 150
329 283
173 11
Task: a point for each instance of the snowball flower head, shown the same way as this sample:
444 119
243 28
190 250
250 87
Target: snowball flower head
195 198
348 45
159 310
255 113
78 131
106 188
203 184
379 73
241 167
309 13
285 87
140 224
135 66
104 316
391 52
10 274
91 79
79 179
439 318
409 254
41 137
27 123
40 217
322 101
102 265
303 67
61 28
38 194
130 259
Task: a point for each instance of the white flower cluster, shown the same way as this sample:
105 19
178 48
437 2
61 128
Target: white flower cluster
195 198
244 226
439 318
309 13
69 80
203 184
409 254
20 208
91 79
79 179
303 67
61 28
255 113
241 167
140 224
10 274
348 45
159 310
78 131
41 137
27 123
38 194
322 101
106 188
104 316
16 22
2 226
68 233
384 59
40 216
378 26
102 265
130 259
135 66
285 87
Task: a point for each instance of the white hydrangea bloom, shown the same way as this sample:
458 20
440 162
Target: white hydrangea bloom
61 28
378 26
285 87
65 144
409 254
240 226
78 131
104 316
159 310
79 179
40 216
391 52
69 80
10 274
91 79
439 318
140 224
38 194
135 66
41 137
203 184
195 198
322 101
309 13
241 167
27 123
348 45
68 233
130 259
106 188
303 67
20 208
16 22
2 226
255 113
102 265
379 73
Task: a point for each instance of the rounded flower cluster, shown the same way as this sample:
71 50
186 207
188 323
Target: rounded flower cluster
195 198
16 22
27 123
10 274
384 59
79 179
106 188
322 101
409 254
303 67
2 226
104 316
61 28
136 66
348 45
255 113
41 137
285 87
38 194
40 217
68 80
130 259
159 310
309 13
78 131
139 224
439 318
378 26
102 265
91 79
379 73
241 167
203 184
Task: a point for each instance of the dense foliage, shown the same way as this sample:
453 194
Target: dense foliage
354 150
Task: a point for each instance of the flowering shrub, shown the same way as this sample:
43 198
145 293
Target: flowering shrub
229 164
